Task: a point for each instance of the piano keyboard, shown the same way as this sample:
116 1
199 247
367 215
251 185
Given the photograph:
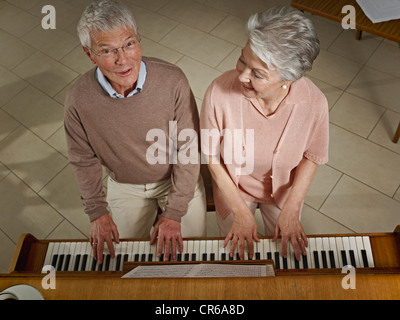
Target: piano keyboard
322 252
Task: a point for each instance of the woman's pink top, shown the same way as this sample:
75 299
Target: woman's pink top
261 152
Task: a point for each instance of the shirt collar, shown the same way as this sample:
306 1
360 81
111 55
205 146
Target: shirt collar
105 84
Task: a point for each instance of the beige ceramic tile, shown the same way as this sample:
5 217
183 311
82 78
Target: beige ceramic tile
331 93
232 29
198 45
7 248
385 129
357 50
23 211
3 171
327 30
364 160
7 124
355 114
17 21
31 159
54 43
58 142
45 73
24 4
151 24
361 208
10 85
199 75
241 8
193 14
378 87
314 222
16 52
77 60
63 194
151 48
324 181
44 115
386 59
66 230
153 5
335 70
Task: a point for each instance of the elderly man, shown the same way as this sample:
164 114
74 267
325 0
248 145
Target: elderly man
109 113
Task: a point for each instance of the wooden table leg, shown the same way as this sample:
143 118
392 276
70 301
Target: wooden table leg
397 134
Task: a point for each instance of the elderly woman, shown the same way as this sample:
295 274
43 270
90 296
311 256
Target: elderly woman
273 131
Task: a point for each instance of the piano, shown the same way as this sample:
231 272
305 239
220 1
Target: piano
318 275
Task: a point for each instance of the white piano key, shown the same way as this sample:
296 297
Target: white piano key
360 247
319 248
222 251
346 248
333 247
203 251
209 250
196 249
215 249
367 246
353 246
326 248
313 247
49 254
153 252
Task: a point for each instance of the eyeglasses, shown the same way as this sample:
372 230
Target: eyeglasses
110 54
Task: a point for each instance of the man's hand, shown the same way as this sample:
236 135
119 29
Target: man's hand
167 232
100 231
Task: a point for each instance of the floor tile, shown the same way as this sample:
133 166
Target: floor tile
364 160
17 21
355 114
31 159
44 115
386 59
335 70
384 131
198 45
45 73
23 211
63 194
232 29
10 85
361 208
54 43
193 14
377 87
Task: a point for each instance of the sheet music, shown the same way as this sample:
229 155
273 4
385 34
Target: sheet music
202 270
382 10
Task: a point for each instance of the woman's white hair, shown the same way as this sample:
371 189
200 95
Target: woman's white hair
104 15
285 40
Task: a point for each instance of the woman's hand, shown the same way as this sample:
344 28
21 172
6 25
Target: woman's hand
289 228
243 230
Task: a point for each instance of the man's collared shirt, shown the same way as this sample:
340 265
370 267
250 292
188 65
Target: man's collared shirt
105 84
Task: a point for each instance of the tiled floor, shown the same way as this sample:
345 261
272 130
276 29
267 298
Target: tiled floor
357 191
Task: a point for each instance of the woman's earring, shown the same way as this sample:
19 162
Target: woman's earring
284 87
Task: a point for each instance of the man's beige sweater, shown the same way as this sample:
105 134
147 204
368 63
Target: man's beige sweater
102 131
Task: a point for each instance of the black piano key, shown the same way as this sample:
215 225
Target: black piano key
77 260
258 256
187 257
277 263
364 258
352 258
230 257
94 264
332 259
67 260
60 262
126 257
296 262
344 258
107 262
237 256
284 262
136 257
84 261
316 259
223 256
179 257
269 255
150 257
54 261
305 262
324 260
100 266
118 263
193 257
204 257
161 257
212 256
143 257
